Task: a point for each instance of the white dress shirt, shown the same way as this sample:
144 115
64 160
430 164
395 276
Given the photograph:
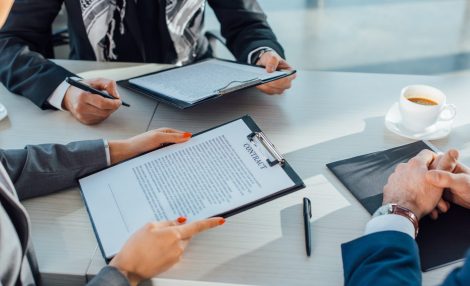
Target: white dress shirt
390 222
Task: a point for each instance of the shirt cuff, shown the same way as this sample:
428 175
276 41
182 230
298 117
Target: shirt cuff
58 95
390 222
254 51
108 154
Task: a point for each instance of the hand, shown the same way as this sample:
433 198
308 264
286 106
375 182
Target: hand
158 246
91 108
124 149
445 162
457 184
272 62
408 187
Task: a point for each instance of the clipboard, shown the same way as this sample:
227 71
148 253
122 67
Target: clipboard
258 138
228 87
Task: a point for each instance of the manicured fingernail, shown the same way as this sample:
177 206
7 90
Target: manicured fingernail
181 219
187 135
221 221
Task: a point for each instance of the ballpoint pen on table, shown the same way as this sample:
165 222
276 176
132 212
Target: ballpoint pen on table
307 213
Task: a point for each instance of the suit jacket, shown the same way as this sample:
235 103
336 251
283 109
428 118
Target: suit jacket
390 258
25 41
37 171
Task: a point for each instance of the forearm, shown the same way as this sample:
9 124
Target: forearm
245 27
25 46
43 169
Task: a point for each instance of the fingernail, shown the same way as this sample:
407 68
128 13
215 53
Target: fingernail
221 221
181 219
187 135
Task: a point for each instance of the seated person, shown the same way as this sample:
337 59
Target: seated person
387 254
130 31
44 169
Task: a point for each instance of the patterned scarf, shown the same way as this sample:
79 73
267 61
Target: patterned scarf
184 19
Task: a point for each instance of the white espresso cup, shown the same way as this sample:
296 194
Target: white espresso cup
416 116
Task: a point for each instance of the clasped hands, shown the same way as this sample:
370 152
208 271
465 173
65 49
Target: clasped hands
428 183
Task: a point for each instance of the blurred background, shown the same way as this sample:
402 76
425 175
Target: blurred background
378 36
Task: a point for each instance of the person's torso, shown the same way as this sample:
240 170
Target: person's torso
146 37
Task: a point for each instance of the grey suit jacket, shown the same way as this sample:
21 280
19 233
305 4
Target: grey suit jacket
38 171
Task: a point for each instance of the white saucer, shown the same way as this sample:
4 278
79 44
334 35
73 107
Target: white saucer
3 112
438 130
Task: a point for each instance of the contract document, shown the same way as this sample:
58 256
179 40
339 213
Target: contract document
219 172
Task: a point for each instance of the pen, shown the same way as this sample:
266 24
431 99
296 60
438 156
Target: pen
308 235
90 89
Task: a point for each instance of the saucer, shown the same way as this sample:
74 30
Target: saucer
3 112
438 130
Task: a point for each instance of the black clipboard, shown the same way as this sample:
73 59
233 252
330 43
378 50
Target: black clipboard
441 242
256 134
229 88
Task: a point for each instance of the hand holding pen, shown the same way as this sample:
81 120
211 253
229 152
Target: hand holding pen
87 101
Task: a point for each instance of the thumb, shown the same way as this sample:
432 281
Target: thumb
441 179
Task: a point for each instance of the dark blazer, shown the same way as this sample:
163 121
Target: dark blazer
37 171
390 258
25 41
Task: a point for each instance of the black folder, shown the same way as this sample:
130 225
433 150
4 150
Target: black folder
441 241
229 86
256 134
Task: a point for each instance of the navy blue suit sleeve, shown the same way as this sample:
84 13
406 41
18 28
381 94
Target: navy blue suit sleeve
25 45
382 258
460 276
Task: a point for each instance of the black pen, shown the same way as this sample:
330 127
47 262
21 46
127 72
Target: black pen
308 234
90 89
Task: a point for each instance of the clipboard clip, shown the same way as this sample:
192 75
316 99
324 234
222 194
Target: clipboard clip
279 160
237 85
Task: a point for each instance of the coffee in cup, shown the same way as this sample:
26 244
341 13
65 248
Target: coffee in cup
421 106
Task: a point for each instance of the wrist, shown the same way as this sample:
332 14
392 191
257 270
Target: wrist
120 150
133 279
401 210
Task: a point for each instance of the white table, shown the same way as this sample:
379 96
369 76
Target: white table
325 116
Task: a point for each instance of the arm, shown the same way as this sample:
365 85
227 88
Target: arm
39 170
42 169
25 41
382 258
244 25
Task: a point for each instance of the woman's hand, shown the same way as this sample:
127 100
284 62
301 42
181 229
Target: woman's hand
121 150
158 246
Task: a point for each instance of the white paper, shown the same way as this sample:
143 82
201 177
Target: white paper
213 173
196 82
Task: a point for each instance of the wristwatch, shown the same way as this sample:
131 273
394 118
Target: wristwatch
256 56
398 210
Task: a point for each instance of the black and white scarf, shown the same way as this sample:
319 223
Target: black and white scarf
184 19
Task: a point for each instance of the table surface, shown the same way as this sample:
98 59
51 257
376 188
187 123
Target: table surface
326 116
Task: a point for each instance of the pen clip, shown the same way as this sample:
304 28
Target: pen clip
278 159
242 84
308 205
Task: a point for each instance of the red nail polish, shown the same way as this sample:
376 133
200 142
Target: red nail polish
181 219
187 135
221 221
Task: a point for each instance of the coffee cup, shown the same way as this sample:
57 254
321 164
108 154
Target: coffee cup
421 106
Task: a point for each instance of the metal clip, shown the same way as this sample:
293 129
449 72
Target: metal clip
270 147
